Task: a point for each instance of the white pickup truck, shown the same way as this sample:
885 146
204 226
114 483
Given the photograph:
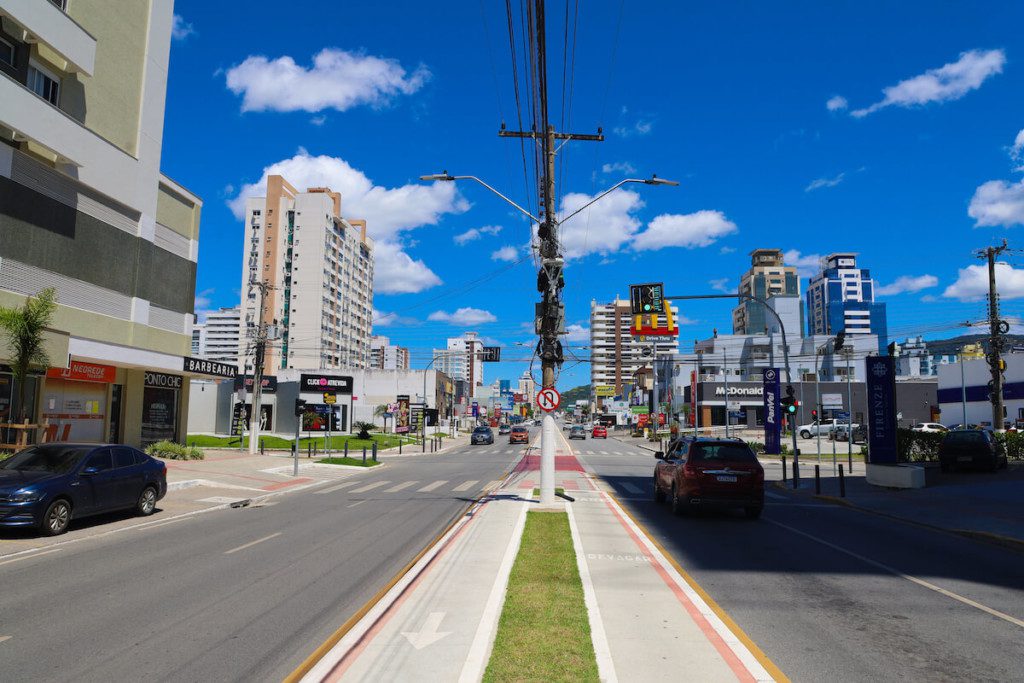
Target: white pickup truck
822 427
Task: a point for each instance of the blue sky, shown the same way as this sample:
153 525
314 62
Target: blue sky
884 128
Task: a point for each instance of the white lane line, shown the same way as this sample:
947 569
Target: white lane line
913 579
252 543
602 652
493 485
3 638
370 487
337 487
358 502
431 487
28 557
632 488
604 452
465 487
776 496
396 489
476 658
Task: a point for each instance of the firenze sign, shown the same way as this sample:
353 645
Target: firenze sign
772 412
881 410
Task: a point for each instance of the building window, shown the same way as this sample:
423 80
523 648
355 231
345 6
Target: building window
44 84
62 5
6 52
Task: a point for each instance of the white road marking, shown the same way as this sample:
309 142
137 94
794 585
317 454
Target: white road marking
465 487
602 652
337 487
492 486
431 487
776 496
428 633
219 500
604 452
908 577
252 543
396 489
370 487
3 638
358 502
632 488
476 658
26 557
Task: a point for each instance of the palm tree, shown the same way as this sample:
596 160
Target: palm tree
364 429
380 411
23 328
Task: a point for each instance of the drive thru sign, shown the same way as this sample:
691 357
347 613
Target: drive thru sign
548 399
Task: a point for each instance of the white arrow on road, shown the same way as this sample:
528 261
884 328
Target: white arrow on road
428 633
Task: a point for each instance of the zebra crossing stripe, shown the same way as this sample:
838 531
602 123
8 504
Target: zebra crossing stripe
431 487
396 489
369 487
339 487
465 487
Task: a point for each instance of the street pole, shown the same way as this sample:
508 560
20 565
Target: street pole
257 375
725 374
963 389
995 339
696 399
654 392
295 459
817 401
849 404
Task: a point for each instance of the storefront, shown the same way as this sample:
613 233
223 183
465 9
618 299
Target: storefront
161 403
76 402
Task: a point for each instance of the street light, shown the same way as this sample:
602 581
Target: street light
447 177
653 180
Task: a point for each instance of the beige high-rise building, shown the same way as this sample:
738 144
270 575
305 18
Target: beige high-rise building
768 276
85 210
319 308
615 354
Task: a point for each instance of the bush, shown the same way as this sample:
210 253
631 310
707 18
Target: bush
1013 442
174 451
914 446
364 429
756 446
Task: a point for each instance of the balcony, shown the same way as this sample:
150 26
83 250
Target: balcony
47 24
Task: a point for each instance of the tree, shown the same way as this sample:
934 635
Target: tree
364 429
381 412
23 328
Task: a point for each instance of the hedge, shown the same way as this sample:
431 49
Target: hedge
174 451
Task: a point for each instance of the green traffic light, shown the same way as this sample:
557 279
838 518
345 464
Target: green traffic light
647 307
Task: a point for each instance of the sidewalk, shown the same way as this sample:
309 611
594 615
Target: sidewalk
648 619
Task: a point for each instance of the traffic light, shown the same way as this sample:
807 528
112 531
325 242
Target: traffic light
793 406
647 298
789 402
814 414
300 407
839 341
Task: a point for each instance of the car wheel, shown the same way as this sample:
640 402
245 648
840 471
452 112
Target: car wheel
678 505
147 502
57 517
659 495
805 434
752 512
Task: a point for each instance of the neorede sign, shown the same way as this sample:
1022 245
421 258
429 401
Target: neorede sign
321 383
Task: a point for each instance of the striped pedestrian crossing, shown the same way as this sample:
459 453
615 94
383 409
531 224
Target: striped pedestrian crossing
466 486
370 487
399 487
431 487
337 487
454 486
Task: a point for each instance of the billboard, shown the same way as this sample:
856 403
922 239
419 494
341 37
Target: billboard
772 412
402 414
881 410
604 390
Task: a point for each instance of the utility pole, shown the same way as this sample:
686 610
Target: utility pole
257 374
996 329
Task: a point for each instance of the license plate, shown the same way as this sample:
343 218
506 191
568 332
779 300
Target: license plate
725 478
964 458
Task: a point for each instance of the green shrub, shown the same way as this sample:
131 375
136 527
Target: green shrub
1013 442
756 446
174 451
914 446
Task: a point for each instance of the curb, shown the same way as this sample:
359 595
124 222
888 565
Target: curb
187 484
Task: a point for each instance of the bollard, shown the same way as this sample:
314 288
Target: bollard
364 455
796 474
314 450
817 479
784 477
850 462
842 482
309 448
399 445
375 451
261 446
346 448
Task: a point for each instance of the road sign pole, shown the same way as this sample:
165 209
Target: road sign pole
547 461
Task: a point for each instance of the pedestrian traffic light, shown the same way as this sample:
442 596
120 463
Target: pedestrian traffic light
300 407
647 298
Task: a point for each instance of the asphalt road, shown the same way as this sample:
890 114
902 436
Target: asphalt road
231 595
831 593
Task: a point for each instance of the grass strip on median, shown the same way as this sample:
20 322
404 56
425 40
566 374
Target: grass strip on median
356 462
544 631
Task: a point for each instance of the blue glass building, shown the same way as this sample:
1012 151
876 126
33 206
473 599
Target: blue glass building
842 297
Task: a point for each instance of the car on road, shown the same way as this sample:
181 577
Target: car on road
482 435
519 435
48 485
504 429
822 427
933 427
706 472
578 432
840 433
971 448
599 432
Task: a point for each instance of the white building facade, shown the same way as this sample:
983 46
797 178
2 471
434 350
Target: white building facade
616 354
462 361
217 338
387 356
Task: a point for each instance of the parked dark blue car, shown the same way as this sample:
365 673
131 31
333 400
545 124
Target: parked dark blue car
48 485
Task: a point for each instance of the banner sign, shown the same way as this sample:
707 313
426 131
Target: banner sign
200 366
402 414
318 384
881 381
267 382
604 390
639 410
772 412
84 372
476 409
692 417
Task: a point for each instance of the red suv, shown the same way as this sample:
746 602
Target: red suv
710 473
519 435
600 432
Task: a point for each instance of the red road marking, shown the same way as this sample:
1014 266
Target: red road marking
286 484
563 463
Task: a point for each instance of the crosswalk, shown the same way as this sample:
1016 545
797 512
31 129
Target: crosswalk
360 486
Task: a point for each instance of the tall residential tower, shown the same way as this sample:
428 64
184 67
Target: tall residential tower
842 297
768 277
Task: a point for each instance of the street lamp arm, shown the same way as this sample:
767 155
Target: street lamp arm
448 178
601 196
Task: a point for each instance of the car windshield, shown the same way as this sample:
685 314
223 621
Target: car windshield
519 430
52 459
577 428
722 452
965 437
481 430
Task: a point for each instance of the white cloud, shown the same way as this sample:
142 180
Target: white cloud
836 103
318 120
726 250
180 29
337 80
463 316
475 234
203 299
721 285
972 283
577 333
619 167
1018 144
382 319
395 272
908 283
819 183
641 127
998 202
806 264
700 229
506 253
948 82
601 229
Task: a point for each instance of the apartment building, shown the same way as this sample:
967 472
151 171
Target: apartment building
84 209
462 360
768 277
387 356
615 354
217 338
319 268
842 297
